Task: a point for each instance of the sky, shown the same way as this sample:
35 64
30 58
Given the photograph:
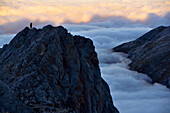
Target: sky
16 14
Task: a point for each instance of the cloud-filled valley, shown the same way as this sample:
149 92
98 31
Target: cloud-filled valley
132 92
107 37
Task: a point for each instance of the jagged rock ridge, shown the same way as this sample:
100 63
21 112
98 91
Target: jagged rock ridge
49 70
150 54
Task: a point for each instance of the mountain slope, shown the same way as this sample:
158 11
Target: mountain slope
150 54
49 70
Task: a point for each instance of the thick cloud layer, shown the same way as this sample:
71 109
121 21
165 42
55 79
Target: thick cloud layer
152 20
15 27
77 11
105 37
132 92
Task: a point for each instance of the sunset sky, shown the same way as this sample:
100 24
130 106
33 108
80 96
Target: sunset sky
14 12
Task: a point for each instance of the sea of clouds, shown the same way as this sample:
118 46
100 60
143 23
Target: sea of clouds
132 92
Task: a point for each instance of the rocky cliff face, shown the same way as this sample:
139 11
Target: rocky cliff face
49 70
150 54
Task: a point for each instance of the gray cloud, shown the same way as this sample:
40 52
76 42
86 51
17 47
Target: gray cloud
112 31
15 27
106 37
113 21
152 20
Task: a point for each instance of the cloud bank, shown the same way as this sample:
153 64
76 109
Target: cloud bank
120 12
105 37
15 27
132 92
151 21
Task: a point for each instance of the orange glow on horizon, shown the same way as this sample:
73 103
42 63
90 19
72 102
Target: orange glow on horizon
61 11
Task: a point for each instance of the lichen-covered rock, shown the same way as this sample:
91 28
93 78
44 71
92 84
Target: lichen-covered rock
150 54
49 70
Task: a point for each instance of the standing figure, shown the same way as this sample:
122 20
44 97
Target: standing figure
30 25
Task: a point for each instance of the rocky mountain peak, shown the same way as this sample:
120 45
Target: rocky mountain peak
150 54
50 70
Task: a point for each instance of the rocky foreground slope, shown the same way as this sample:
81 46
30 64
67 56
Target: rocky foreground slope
150 54
49 70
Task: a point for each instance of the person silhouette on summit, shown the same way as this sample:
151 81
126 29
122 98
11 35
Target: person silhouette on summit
30 25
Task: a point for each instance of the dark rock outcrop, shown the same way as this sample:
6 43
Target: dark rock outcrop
9 101
49 70
150 54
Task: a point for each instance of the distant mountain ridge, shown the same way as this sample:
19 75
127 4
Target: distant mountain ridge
49 70
150 54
